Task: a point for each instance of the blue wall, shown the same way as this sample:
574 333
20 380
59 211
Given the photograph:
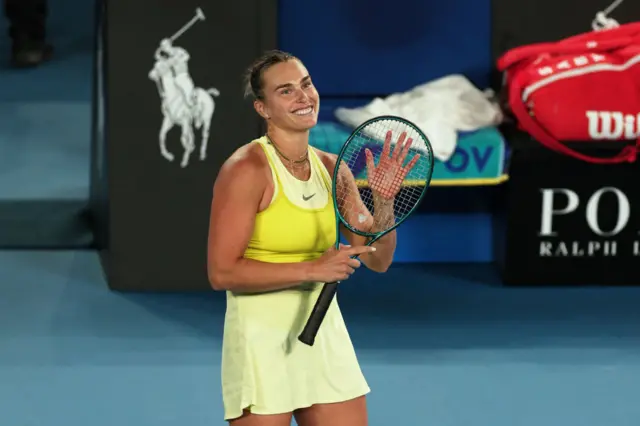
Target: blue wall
357 48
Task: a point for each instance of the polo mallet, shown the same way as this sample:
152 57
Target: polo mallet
198 17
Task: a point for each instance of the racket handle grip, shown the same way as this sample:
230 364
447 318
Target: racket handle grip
308 335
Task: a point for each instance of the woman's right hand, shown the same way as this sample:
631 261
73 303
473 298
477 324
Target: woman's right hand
337 264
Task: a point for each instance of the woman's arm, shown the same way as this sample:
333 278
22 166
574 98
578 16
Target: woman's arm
381 259
237 194
382 218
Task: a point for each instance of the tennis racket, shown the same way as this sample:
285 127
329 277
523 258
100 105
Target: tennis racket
386 163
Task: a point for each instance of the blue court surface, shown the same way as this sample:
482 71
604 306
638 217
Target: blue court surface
440 345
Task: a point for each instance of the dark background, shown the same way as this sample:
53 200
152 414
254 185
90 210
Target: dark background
158 212
517 222
532 167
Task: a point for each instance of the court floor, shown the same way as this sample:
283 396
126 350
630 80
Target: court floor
440 345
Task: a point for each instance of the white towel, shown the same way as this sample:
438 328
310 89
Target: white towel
440 108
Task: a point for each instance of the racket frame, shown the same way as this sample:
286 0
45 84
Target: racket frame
319 311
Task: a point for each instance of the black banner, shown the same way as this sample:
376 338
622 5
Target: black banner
174 113
569 222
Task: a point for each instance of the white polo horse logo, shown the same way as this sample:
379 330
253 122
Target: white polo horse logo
182 104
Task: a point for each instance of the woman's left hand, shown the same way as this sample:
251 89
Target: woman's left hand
385 179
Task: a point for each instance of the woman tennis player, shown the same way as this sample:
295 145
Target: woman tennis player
271 247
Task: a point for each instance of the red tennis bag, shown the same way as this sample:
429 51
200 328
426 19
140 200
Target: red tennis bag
583 88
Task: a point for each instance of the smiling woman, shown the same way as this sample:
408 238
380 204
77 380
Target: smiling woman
271 247
286 97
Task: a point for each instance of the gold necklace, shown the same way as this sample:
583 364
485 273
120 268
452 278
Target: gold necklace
303 158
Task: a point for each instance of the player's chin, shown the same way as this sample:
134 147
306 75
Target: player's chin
305 122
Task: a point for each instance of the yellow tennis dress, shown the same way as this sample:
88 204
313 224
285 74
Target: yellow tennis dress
265 369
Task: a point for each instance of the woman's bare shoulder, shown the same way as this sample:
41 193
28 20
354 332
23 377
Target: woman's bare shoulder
246 158
246 162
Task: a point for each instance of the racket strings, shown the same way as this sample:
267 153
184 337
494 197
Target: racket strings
392 182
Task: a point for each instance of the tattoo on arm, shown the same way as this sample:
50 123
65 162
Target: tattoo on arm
383 214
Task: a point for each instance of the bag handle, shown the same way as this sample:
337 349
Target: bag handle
605 40
531 52
631 29
518 107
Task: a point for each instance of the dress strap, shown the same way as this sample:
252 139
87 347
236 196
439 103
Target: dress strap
320 168
269 152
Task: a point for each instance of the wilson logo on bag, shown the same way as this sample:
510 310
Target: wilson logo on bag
613 125
583 88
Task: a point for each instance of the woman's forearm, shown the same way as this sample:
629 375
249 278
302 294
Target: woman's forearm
381 259
248 275
383 218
